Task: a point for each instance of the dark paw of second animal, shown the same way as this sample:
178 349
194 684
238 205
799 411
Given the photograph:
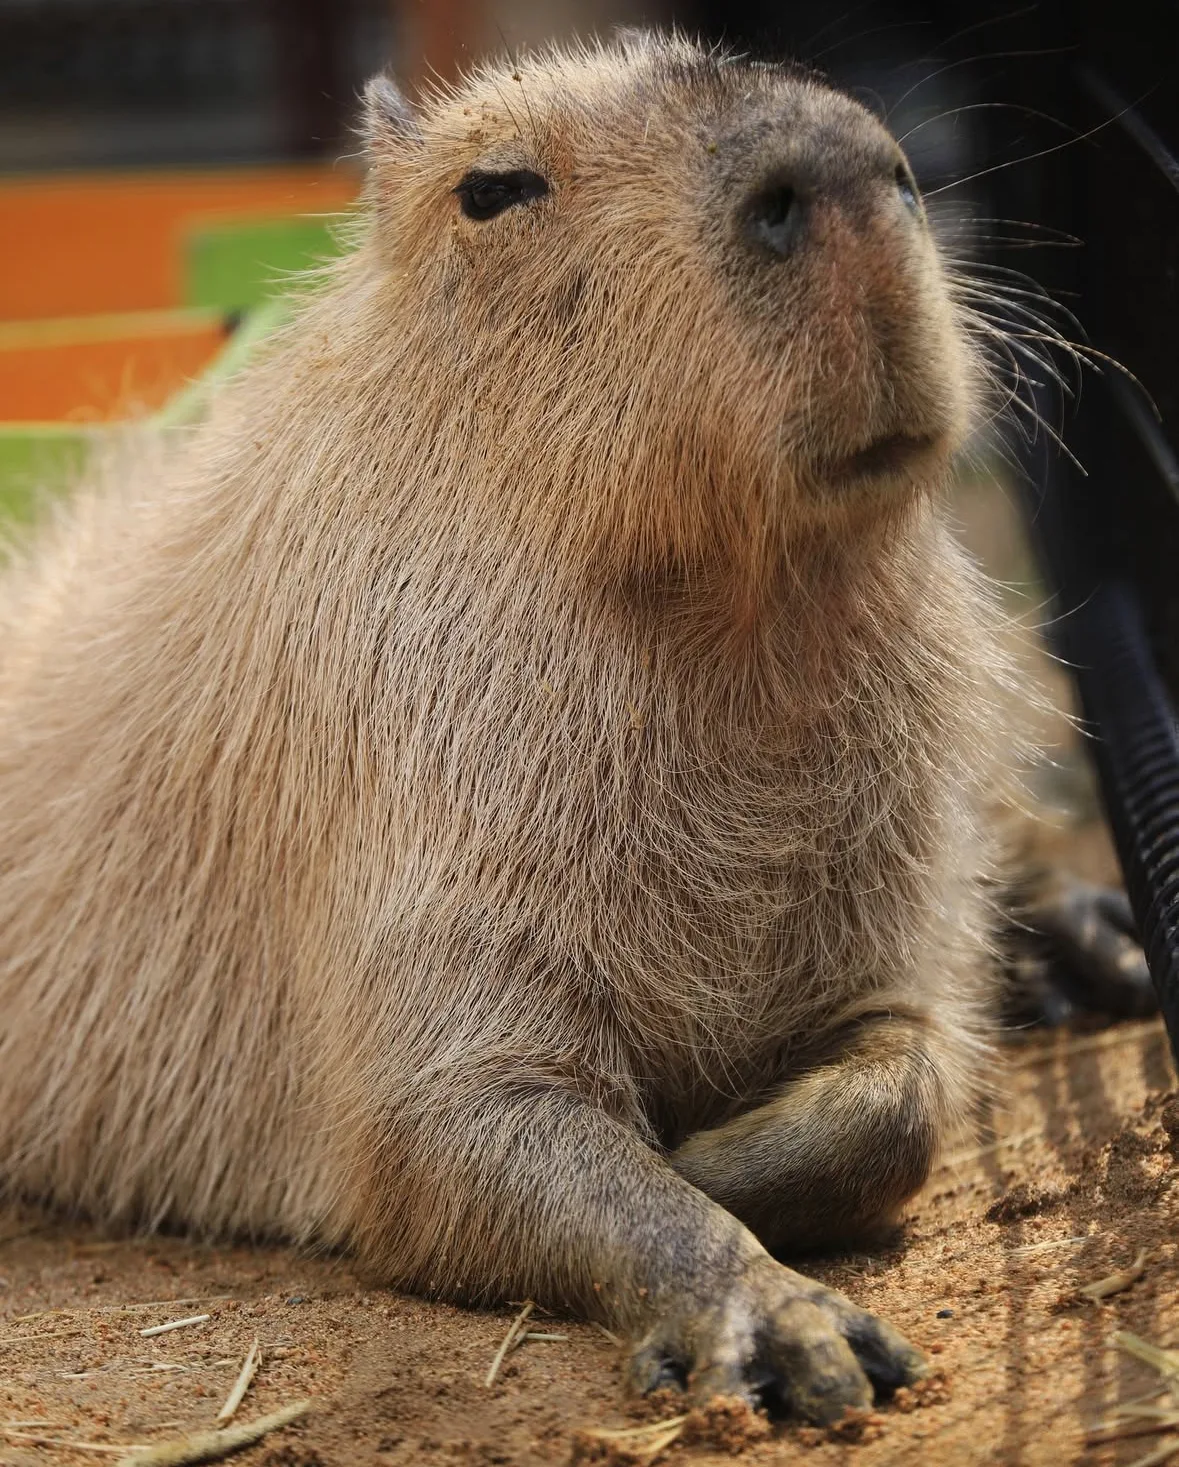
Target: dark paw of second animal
1076 949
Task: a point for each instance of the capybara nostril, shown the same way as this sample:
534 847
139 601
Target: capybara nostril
776 218
907 188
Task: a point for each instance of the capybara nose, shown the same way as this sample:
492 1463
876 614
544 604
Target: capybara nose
860 178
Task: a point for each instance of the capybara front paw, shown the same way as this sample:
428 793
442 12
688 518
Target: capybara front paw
779 1339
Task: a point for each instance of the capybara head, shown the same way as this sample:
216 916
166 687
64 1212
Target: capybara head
671 305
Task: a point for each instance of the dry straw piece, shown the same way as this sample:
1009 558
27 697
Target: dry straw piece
1028 1250
1001 1143
639 1443
1116 1282
163 1329
45 1334
40 1439
1160 1454
211 1446
1166 1362
242 1384
1065 1049
102 1448
1136 1418
120 1308
509 1341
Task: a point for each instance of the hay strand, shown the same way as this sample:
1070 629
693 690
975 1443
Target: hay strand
1029 1250
509 1341
1002 1143
1133 1420
38 1439
163 1329
242 1384
1166 1362
211 1446
640 1443
1160 1454
1121 1279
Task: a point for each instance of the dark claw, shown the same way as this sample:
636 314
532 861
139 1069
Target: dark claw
1089 956
885 1356
651 1367
816 1369
1114 905
888 1360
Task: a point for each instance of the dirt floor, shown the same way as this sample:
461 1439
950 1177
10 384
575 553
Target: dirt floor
1071 1178
1074 1176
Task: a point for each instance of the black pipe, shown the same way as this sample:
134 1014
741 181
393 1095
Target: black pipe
1136 747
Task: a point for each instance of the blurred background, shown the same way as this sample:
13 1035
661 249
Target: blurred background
124 124
116 113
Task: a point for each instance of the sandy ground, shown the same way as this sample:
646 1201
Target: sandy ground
1076 1174
1070 1177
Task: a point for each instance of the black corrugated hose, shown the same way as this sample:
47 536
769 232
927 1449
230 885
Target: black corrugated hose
1136 747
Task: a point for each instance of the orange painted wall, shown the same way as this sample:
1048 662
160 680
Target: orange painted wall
113 242
102 368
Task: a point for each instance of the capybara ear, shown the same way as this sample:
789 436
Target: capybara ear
634 39
389 121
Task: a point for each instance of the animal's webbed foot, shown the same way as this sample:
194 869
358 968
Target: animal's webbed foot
1077 948
781 1340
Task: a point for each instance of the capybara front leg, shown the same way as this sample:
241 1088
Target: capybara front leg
833 1155
530 1192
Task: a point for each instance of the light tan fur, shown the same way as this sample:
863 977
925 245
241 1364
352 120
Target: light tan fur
507 740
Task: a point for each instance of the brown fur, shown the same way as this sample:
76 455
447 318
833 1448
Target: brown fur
502 744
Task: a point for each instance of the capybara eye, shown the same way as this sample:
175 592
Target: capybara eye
484 195
907 188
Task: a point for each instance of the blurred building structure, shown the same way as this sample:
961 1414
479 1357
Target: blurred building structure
112 83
